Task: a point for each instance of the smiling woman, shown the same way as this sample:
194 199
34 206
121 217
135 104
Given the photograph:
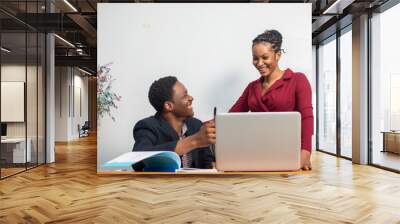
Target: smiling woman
208 52
278 90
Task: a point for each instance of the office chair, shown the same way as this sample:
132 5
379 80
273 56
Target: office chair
84 130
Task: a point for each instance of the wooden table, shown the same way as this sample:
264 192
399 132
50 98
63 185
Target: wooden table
391 141
203 173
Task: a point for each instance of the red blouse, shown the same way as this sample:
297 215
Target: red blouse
290 93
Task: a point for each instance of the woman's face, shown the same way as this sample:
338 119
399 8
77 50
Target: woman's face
265 59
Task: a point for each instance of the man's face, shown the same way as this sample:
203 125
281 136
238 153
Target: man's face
182 101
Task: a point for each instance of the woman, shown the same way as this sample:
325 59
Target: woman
278 90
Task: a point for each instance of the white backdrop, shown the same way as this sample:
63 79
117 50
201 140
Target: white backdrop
206 46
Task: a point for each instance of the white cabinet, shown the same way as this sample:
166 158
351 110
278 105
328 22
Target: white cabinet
18 149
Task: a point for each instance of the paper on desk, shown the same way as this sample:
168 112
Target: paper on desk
194 170
130 158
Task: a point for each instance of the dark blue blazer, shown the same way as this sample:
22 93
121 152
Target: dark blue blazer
155 134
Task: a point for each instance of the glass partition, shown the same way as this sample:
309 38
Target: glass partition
31 100
41 107
346 94
13 110
22 63
327 96
385 89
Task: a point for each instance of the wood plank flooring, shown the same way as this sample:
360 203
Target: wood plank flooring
387 159
10 171
69 191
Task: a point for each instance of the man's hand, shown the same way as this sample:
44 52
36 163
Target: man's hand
203 138
305 160
206 135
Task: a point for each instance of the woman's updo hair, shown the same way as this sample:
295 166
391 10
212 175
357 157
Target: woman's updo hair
270 36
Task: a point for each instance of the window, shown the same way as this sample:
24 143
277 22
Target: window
385 89
346 93
327 96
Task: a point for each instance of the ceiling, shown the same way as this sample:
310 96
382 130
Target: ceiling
76 22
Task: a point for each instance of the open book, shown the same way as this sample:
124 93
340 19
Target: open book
151 161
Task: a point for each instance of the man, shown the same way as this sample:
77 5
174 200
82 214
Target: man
173 127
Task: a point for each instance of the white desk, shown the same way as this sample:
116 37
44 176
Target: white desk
18 149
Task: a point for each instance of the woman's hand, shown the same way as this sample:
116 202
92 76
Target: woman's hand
305 160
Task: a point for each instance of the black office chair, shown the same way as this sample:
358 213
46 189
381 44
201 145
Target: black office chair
84 130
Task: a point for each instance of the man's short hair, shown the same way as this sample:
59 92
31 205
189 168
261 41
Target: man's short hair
161 91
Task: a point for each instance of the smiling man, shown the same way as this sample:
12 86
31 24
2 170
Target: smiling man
173 127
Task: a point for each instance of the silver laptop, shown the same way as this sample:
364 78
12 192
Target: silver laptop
267 141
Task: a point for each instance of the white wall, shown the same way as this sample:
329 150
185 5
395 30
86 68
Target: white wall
17 73
80 102
61 103
207 46
68 82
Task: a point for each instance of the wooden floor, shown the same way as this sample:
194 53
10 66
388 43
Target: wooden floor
5 172
69 191
387 159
